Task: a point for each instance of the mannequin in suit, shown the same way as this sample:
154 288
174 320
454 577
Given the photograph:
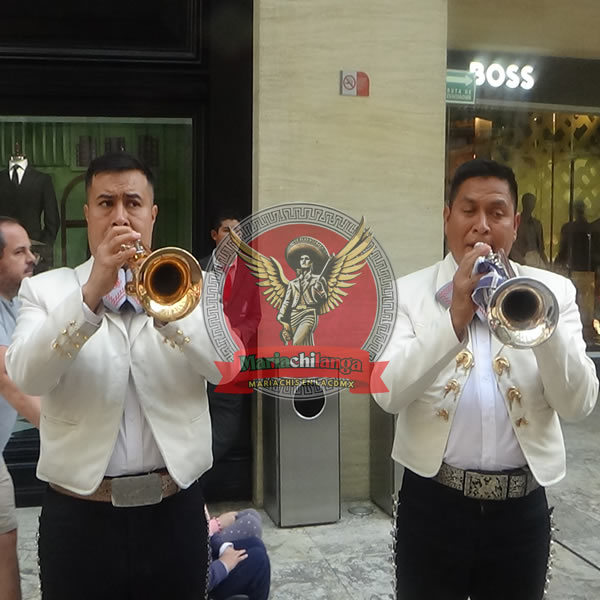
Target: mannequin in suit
528 248
575 249
27 195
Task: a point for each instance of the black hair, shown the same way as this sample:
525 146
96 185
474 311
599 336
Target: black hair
483 168
4 221
116 162
225 215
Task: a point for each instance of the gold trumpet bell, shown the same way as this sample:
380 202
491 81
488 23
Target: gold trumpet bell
167 283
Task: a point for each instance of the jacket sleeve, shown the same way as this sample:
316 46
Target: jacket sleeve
417 352
567 373
217 573
44 343
192 337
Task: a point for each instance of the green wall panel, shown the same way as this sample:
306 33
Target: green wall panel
62 148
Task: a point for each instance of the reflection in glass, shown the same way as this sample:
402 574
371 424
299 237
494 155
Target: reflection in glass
556 159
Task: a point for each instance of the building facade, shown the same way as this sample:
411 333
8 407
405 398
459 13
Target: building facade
238 104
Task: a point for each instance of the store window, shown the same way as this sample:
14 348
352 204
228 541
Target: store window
556 160
62 147
53 154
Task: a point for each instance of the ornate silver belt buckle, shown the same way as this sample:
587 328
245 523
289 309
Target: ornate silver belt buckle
518 486
485 487
139 490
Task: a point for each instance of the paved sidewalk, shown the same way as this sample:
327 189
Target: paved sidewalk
349 560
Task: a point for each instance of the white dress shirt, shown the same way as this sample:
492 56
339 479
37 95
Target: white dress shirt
22 163
482 436
136 450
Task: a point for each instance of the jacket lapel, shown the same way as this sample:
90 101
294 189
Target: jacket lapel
497 346
82 272
26 178
137 324
446 271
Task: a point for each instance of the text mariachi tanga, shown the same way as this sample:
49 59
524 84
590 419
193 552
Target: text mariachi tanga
329 367
300 300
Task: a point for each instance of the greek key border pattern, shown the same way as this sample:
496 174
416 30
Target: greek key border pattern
302 214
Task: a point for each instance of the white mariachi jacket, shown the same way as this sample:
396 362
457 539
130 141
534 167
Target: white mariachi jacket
429 367
82 371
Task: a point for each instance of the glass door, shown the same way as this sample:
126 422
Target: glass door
556 160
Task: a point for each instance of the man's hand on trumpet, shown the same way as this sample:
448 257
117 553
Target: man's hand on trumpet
462 308
115 250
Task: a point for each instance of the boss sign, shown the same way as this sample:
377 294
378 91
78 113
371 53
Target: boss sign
496 75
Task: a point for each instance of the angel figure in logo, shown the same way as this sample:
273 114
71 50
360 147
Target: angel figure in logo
320 283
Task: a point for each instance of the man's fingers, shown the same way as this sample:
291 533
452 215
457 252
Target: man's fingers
468 262
476 277
118 248
126 249
124 241
118 235
119 256
118 231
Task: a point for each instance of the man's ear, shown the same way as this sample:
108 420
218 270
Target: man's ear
446 215
517 223
213 235
85 212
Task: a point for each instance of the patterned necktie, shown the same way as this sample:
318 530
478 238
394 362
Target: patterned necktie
15 175
444 295
117 299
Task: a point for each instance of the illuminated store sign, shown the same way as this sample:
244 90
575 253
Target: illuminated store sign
497 75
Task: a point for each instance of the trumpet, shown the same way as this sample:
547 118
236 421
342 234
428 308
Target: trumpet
166 282
522 312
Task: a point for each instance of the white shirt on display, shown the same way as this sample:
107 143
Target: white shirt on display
23 163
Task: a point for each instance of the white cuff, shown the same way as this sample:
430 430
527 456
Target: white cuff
224 547
91 317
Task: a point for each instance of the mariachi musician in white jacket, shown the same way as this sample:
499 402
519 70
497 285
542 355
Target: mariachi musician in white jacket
478 422
125 427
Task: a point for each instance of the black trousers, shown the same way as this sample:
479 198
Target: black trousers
227 418
449 547
95 551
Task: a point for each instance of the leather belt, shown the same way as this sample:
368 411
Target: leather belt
483 485
129 491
